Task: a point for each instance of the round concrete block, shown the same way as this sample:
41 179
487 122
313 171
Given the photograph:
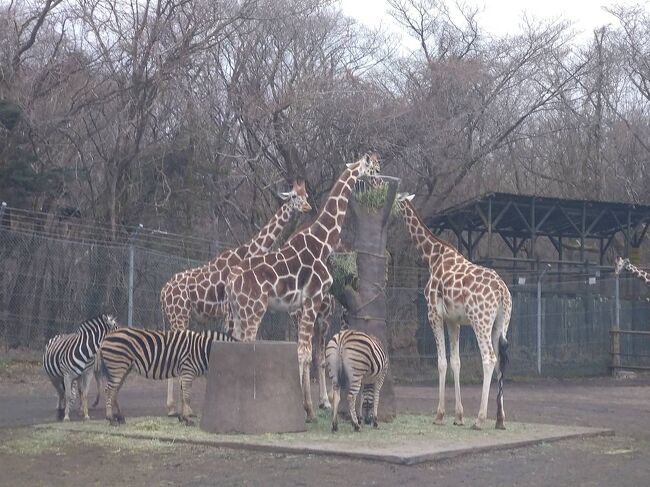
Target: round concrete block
253 387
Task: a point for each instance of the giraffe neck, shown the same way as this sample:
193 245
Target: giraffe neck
327 226
431 247
264 240
643 275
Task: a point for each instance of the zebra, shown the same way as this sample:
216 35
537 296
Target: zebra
155 355
69 357
355 358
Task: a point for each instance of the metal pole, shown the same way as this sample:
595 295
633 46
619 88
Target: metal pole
131 273
539 320
616 343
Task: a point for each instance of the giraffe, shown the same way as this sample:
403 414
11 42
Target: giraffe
296 276
621 263
199 292
322 325
460 290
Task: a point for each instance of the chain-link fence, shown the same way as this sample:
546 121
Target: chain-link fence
49 284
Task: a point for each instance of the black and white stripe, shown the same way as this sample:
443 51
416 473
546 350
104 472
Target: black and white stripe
69 357
356 359
155 355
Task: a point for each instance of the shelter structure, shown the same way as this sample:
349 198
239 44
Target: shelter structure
586 228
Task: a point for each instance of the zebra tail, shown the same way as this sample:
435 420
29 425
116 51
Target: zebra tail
342 377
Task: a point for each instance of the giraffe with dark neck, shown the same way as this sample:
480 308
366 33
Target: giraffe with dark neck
622 263
199 292
296 276
459 290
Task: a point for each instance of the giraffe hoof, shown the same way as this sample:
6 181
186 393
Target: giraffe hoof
499 426
325 405
477 427
357 428
335 428
375 424
188 422
438 421
59 414
172 414
459 422
120 419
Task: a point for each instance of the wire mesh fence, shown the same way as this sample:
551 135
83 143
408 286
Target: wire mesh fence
50 283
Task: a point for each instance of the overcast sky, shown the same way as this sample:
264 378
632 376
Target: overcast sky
504 16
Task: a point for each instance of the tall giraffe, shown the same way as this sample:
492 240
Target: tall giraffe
622 263
295 276
199 292
459 290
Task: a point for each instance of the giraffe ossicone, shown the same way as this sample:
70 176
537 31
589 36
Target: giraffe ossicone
296 276
199 292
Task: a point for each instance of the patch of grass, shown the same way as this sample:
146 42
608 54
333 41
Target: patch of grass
36 441
406 428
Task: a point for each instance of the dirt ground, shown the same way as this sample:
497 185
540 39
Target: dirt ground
26 397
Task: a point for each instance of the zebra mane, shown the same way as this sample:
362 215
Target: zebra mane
103 321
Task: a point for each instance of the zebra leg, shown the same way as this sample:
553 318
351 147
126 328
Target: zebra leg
336 398
368 403
84 384
186 388
57 382
98 381
375 405
352 402
67 383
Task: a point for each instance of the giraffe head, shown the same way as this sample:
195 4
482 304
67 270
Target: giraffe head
620 263
368 165
297 197
402 198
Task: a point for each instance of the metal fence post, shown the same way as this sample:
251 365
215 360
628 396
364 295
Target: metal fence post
131 273
616 343
539 319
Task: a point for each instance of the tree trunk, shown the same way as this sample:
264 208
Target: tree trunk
367 305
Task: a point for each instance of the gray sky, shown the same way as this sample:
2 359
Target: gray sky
504 16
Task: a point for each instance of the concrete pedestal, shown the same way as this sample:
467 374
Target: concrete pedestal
253 388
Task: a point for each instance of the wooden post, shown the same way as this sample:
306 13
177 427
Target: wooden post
615 337
367 305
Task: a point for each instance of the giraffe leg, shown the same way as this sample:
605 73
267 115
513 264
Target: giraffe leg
439 333
454 361
323 402
489 360
305 334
